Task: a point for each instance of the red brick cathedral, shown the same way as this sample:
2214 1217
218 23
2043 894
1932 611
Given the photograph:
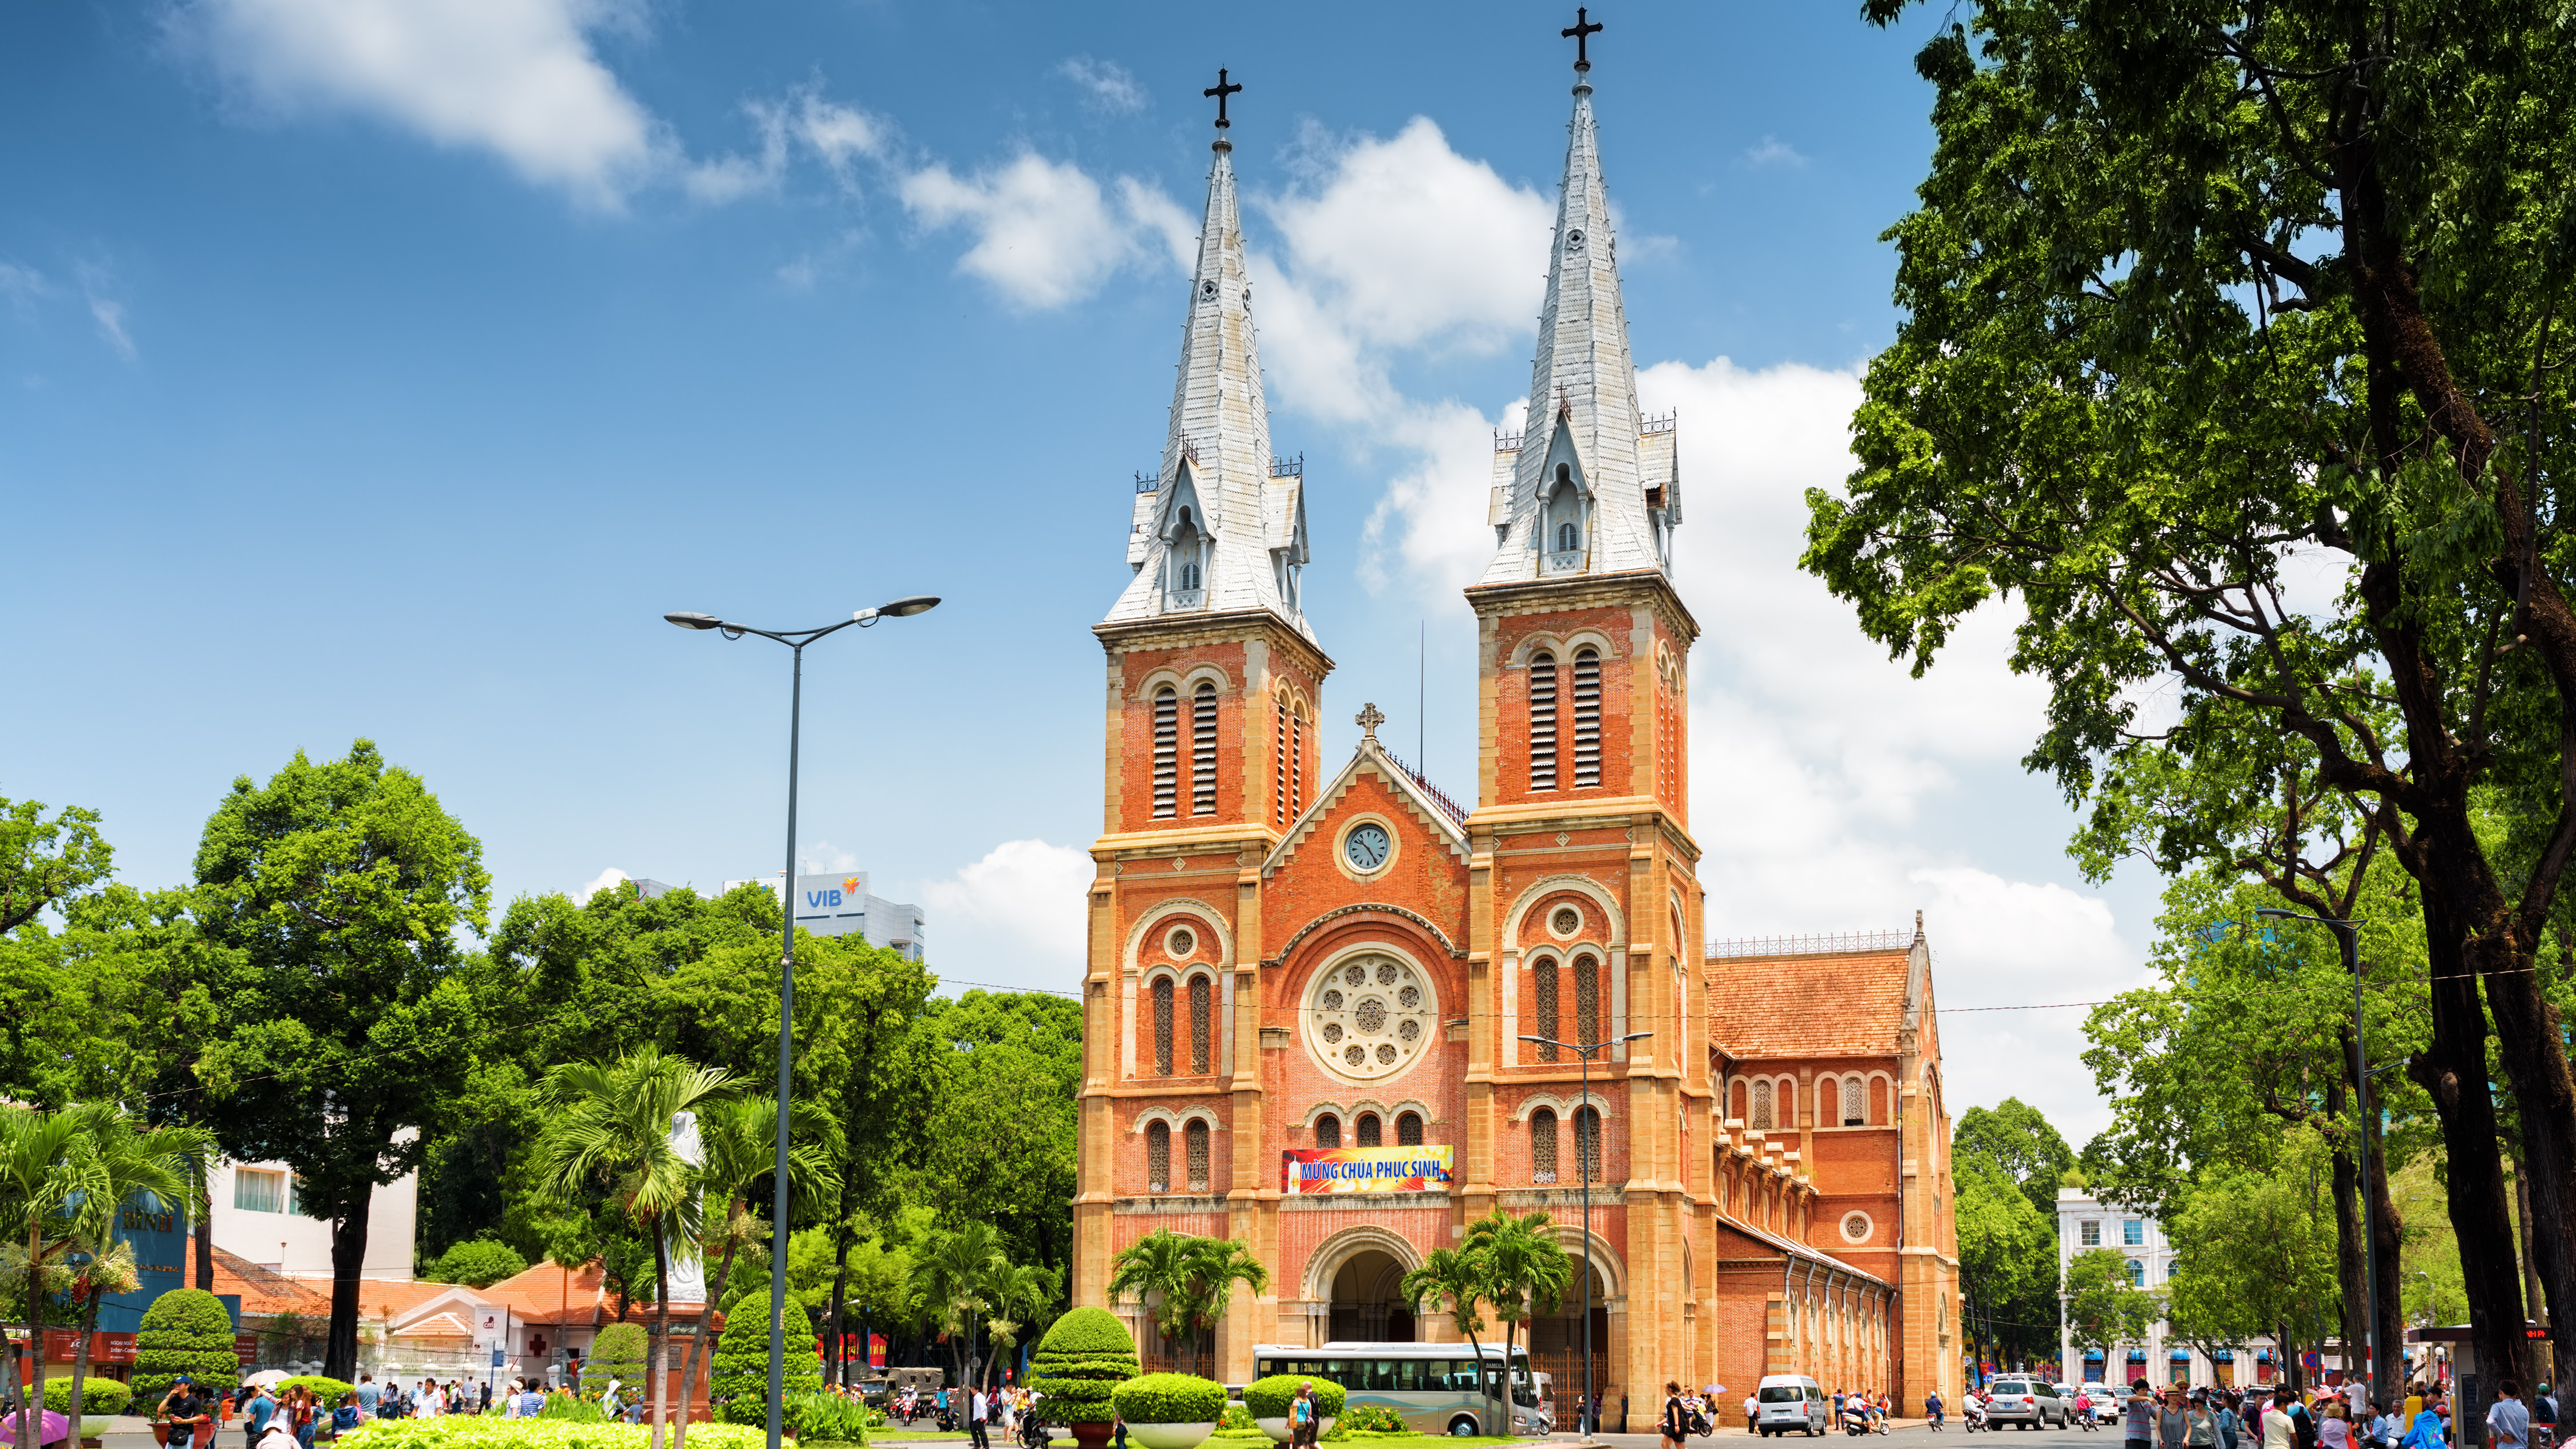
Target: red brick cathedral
1311 988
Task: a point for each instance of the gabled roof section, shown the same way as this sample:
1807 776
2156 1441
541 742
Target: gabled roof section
1583 398
1251 506
1824 997
1436 811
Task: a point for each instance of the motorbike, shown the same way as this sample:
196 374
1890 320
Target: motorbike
2085 1419
1033 1432
1973 1417
1855 1421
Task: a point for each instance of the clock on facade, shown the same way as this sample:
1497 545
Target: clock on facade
1365 847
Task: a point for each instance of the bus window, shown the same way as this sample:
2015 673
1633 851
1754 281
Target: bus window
1408 1376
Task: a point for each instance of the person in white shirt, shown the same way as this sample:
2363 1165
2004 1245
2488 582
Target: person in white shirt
1752 1413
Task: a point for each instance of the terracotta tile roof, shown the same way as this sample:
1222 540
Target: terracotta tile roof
551 1293
264 1291
437 1325
381 1300
1825 1005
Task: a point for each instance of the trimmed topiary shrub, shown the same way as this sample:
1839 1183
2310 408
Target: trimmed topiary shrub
738 1384
98 1395
1268 1398
329 1390
1169 1399
477 1263
185 1331
618 1353
1079 1365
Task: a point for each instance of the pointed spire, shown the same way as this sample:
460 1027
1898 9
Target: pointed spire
1589 486
1222 525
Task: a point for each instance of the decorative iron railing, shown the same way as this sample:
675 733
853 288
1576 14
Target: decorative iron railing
1456 812
1819 945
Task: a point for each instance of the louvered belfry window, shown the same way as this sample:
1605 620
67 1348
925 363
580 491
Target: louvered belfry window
1203 750
1542 710
1548 1023
1296 763
1167 753
1201 989
1158 1157
1587 718
1279 762
1408 1129
1587 1001
1163 1027
1587 1143
1543 1146
1195 1142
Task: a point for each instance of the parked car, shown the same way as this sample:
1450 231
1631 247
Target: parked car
2027 1403
1791 1403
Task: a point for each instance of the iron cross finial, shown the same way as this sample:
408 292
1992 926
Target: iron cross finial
1221 90
1369 719
1581 32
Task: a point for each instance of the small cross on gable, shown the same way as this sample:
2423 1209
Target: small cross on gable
1221 90
1369 719
1581 32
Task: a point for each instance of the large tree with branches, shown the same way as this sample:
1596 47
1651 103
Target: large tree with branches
2203 292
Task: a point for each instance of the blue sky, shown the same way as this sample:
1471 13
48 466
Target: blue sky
372 367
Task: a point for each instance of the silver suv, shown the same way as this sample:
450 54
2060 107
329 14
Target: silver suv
2030 1403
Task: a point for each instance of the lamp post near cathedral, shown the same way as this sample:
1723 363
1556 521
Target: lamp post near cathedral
795 640
1583 1053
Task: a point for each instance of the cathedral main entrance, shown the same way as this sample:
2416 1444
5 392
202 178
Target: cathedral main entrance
1556 1344
1368 1302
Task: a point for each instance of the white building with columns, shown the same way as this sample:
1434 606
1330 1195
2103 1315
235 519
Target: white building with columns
2084 1223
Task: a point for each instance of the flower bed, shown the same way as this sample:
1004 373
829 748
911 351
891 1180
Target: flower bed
482 1431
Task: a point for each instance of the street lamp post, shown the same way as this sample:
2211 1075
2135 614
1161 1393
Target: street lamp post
795 640
1582 1170
2347 935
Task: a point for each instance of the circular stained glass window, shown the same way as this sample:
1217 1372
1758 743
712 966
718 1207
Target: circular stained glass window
1566 921
1182 943
1367 1035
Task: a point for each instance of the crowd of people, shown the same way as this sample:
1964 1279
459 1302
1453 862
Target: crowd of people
2341 1417
297 1418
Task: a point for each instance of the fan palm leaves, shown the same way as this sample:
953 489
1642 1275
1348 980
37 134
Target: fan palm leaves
1455 1276
612 1128
1023 1299
737 1146
153 1169
955 1271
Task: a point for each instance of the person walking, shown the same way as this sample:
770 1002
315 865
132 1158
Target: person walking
1752 1412
2230 1423
2508 1419
2173 1431
369 1396
976 1408
2138 1418
1675 1424
2199 1424
1301 1414
256 1414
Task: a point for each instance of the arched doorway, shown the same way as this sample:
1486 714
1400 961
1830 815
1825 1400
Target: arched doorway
1556 1343
1367 1304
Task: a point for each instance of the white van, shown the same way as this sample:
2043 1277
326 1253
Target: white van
1789 1403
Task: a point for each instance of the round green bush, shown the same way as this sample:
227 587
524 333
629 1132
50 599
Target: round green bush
185 1331
738 1383
477 1263
1268 1398
98 1395
328 1390
1079 1364
1169 1399
617 1353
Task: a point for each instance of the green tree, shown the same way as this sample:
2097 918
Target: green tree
1526 1271
343 887
738 1146
956 1266
1455 1276
739 1380
2008 1257
45 864
2202 295
2103 1309
613 1124
617 1355
185 1331
2260 1255
47 1169
2018 1141
477 1264
132 1167
48 1018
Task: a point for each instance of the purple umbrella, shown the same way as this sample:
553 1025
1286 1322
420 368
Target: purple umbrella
54 1430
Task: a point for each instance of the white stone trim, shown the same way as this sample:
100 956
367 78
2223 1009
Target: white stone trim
1176 1118
1202 915
1612 918
1564 1108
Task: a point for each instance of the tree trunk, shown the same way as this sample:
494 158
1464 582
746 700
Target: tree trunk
80 1358
689 1365
2530 1257
840 1289
2347 1210
2388 1369
29 1419
348 1257
661 1351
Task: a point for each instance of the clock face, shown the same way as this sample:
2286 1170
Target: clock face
1366 847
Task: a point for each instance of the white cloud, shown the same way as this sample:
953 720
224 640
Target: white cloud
1016 918
23 286
1046 233
106 311
514 77
600 882
1105 84
839 136
1772 151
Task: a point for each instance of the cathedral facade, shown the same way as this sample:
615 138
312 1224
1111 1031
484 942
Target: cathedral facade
1337 1015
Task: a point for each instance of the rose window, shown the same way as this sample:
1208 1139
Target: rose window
1367 1019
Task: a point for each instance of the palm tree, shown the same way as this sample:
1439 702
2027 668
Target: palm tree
1457 1276
1155 1271
1526 1269
954 1272
613 1124
157 1166
1023 1299
737 1146
48 1166
1215 1266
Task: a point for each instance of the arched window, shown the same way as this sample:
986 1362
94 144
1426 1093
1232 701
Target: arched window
1825 1094
1195 1142
1186 549
1167 752
1365 1131
1543 989
1408 1129
1761 1106
1542 729
1158 1157
1564 515
1587 1001
1743 1105
1328 1131
1568 537
1202 991
1853 1102
2137 1274
1587 1143
1587 718
1163 1027
1877 1103
1543 1146
1203 750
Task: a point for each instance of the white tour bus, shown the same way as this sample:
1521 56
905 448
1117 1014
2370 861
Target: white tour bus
1433 1385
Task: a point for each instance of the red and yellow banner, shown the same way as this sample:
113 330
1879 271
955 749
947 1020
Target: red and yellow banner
1363 1169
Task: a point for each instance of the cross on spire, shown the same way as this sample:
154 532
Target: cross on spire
1368 719
1581 32
1221 90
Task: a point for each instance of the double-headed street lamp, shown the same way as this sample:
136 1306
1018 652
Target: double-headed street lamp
1583 1170
795 640
2347 934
